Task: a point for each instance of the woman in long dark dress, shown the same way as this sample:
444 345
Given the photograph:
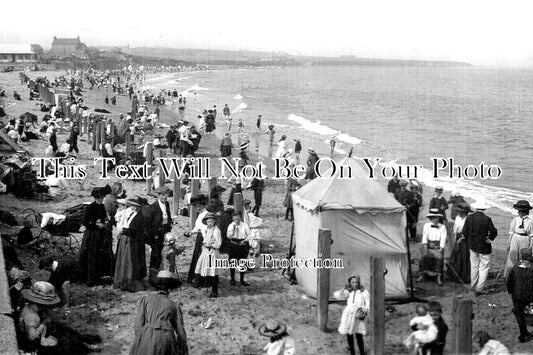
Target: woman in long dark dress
159 328
130 269
96 253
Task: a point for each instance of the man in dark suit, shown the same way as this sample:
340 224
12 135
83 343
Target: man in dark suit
520 286
160 223
479 232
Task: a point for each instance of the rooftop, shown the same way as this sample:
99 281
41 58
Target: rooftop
70 41
16 48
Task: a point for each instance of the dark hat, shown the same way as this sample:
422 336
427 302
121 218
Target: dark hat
462 206
163 190
526 254
209 215
218 188
43 293
199 200
297 140
271 329
522 205
100 191
439 189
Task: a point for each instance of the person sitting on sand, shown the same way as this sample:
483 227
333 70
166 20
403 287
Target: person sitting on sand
280 342
33 319
490 346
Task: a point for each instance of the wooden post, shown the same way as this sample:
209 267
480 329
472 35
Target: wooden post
128 144
87 127
97 135
149 162
176 189
193 210
377 306
161 175
103 132
323 278
212 183
237 203
461 326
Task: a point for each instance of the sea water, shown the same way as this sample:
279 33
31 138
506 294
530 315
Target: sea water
403 115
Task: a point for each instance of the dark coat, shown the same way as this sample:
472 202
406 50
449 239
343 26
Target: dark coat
477 228
520 283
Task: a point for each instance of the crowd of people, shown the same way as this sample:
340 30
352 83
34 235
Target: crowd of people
469 233
134 223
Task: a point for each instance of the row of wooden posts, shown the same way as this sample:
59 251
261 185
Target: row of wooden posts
460 331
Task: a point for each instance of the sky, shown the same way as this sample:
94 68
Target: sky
484 33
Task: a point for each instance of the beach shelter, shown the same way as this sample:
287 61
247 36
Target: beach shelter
364 219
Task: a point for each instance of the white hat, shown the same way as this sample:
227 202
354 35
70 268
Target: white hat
480 204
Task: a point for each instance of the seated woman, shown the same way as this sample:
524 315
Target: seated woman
33 318
433 242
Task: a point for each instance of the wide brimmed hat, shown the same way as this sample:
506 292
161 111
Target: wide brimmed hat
42 292
132 202
100 191
434 212
200 200
209 215
462 207
480 205
165 274
311 150
217 189
141 201
163 190
439 189
522 205
271 329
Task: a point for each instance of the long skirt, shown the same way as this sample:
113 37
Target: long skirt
432 262
459 263
130 268
195 255
96 256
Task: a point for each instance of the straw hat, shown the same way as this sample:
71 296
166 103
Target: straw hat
480 205
132 202
311 150
165 274
209 215
434 212
43 293
271 329
439 189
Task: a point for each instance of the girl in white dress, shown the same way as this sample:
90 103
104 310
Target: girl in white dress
282 147
205 266
353 320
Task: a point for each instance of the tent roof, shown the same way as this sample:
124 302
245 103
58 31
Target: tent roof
357 192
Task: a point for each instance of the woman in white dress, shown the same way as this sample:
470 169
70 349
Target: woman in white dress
205 267
520 232
282 147
353 320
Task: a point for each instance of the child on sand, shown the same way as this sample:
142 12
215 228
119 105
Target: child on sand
424 330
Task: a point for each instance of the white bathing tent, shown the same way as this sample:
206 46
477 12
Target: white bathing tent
364 219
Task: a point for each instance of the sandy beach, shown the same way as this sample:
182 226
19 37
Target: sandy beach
238 311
